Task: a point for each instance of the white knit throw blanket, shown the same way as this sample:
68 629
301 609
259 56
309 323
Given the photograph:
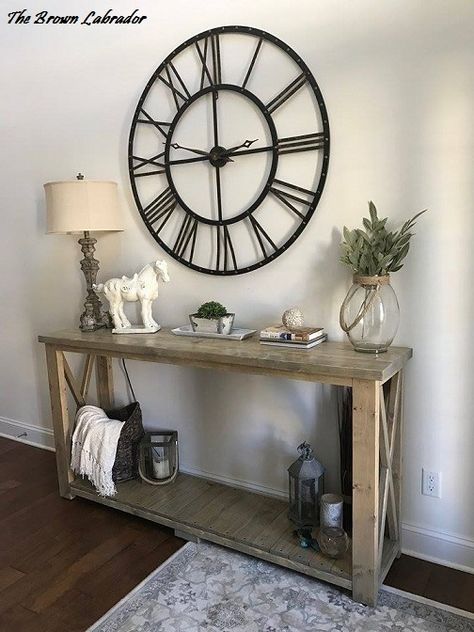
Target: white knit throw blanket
94 446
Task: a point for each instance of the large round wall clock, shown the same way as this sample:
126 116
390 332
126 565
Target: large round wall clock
229 150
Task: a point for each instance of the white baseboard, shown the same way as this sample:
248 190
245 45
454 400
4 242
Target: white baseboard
235 482
27 433
440 547
426 543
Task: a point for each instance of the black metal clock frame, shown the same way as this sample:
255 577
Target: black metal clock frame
163 205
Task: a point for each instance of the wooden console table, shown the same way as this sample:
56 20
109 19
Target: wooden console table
236 518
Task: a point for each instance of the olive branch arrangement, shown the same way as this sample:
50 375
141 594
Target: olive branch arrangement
375 251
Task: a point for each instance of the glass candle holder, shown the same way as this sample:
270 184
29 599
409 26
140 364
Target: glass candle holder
333 541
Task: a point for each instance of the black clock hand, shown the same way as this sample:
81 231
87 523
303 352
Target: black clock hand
246 143
185 161
216 144
254 150
203 155
194 151
214 117
218 193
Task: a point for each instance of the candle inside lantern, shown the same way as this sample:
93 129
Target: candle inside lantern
159 461
161 468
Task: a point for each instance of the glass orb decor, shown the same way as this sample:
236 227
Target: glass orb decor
333 541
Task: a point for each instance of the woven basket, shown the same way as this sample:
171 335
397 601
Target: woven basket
126 460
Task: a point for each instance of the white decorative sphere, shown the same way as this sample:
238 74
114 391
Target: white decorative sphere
292 318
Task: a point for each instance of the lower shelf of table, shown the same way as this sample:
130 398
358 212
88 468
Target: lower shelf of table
236 518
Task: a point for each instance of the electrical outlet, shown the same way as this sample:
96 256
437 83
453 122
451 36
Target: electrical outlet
431 483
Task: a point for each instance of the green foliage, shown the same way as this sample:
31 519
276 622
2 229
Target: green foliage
211 310
375 250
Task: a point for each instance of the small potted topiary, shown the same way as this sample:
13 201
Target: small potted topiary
212 317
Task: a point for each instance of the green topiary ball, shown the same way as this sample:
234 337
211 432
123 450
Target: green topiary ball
211 310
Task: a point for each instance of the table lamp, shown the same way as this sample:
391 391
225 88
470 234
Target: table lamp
85 206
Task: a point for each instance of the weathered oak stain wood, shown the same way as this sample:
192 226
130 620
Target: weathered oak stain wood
393 432
365 477
244 520
273 530
396 410
328 360
186 536
105 382
87 374
385 471
270 508
61 421
209 515
195 505
275 542
71 382
237 514
288 546
176 504
390 551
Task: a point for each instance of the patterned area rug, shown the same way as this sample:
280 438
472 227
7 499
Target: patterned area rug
204 587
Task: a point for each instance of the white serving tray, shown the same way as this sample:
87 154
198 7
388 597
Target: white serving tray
237 334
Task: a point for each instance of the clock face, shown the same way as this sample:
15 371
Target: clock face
229 150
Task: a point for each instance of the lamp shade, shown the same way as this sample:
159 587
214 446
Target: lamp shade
75 206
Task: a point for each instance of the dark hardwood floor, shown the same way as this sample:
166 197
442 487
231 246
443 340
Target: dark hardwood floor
63 563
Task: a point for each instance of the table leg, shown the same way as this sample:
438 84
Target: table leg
397 463
105 382
365 479
61 420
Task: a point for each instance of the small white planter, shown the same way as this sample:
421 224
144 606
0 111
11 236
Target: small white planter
221 325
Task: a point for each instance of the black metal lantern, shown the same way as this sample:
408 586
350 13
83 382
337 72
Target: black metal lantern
159 458
306 478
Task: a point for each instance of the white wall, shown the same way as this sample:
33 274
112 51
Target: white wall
398 84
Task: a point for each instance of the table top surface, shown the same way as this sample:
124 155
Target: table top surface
330 359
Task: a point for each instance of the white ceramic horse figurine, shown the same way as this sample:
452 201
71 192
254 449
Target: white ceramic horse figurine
142 287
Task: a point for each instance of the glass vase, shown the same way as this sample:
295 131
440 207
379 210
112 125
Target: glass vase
333 541
370 314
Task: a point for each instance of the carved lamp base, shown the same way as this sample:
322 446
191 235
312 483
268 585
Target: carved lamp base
94 316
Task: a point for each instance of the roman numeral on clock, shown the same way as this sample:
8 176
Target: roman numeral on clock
143 162
289 197
286 93
161 207
186 239
161 126
180 95
252 62
306 142
225 252
262 236
213 75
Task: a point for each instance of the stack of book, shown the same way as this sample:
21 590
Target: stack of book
297 338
